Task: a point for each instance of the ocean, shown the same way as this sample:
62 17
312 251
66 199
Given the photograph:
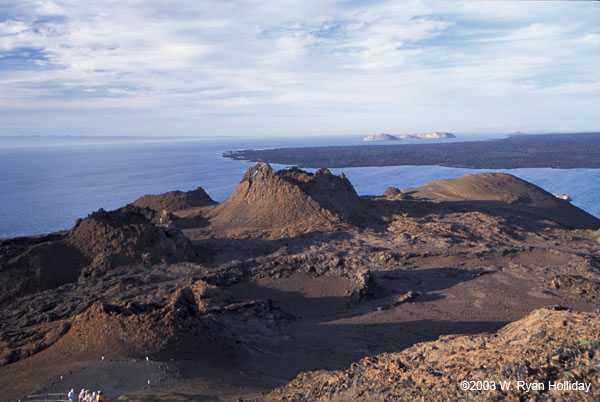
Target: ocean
46 183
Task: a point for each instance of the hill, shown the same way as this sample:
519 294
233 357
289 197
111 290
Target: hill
508 190
289 199
95 245
175 200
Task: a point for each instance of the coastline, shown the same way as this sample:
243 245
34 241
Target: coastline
40 179
559 151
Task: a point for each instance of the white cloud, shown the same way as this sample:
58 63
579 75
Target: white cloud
12 27
300 66
592 39
48 8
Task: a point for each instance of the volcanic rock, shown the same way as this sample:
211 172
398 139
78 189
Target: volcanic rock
175 200
406 297
394 193
45 265
292 199
547 346
136 329
96 244
494 189
577 285
361 285
127 235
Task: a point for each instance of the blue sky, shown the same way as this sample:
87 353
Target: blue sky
294 68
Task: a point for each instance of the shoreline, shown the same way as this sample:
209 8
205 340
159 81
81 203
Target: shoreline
558 151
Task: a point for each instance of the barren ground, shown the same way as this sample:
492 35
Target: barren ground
230 304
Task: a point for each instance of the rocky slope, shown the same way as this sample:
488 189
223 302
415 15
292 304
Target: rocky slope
95 245
544 350
175 200
502 188
291 200
137 329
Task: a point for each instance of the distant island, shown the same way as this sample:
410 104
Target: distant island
560 151
418 136
380 137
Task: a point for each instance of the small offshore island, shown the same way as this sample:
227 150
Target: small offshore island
419 136
560 151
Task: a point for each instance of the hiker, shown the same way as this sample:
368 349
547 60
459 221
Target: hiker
71 395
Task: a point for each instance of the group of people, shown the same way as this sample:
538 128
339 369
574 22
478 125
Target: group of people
86 396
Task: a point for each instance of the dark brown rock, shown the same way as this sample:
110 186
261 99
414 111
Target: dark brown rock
175 200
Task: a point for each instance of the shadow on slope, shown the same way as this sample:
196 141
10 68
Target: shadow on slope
102 241
330 331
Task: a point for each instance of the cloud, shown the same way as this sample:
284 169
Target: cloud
296 67
12 27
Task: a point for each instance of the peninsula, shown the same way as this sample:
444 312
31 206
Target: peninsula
561 151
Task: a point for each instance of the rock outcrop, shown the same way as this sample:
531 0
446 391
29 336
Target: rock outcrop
127 235
394 193
292 199
136 329
96 244
175 200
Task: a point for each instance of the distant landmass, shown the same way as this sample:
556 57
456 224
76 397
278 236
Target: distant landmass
431 136
560 151
419 136
380 137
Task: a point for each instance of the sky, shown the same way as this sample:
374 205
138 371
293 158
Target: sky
297 68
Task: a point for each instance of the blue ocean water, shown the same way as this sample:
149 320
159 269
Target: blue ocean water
47 183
